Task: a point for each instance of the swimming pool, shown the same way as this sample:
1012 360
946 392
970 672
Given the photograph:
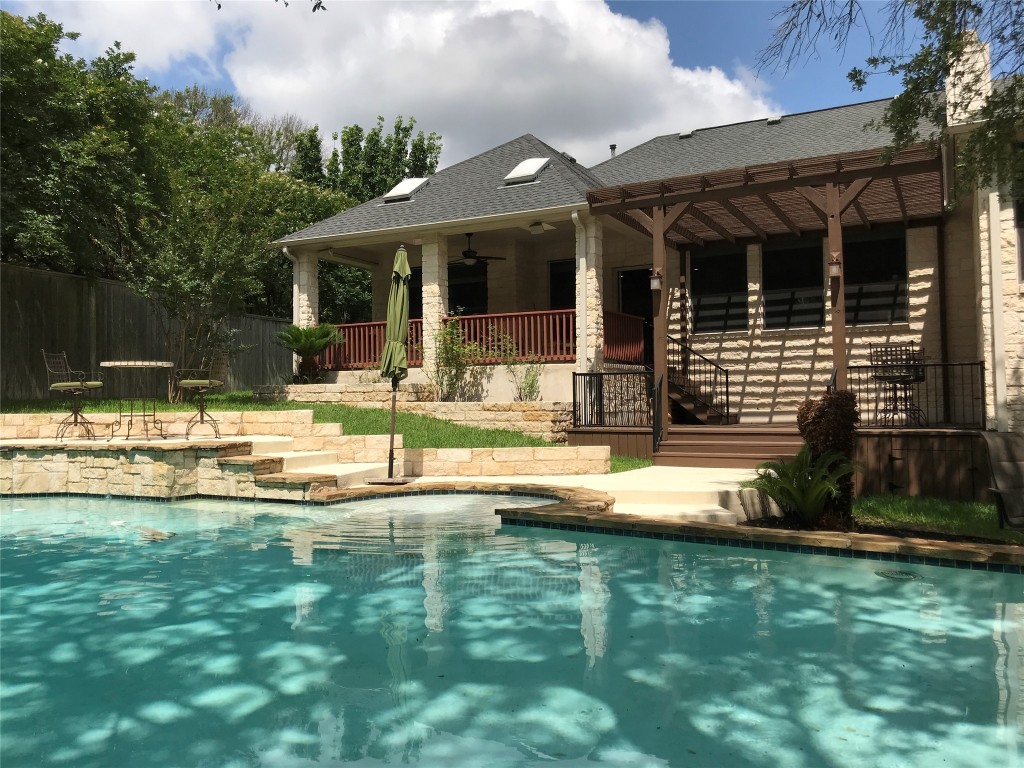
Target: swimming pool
281 635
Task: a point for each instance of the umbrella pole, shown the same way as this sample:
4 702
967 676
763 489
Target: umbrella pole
391 448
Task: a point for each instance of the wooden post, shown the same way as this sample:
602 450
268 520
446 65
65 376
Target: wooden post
660 304
833 211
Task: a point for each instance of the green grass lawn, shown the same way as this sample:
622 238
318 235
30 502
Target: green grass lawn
911 513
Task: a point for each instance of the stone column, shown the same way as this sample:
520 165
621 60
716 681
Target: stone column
435 294
589 292
305 290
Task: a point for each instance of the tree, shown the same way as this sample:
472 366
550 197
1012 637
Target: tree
210 250
370 163
308 162
78 177
989 153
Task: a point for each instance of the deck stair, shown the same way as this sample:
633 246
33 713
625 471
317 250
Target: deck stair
731 445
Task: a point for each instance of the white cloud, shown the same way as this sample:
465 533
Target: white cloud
574 74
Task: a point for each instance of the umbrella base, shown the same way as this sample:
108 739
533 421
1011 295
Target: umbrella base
389 480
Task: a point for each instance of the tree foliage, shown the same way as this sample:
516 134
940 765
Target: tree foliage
370 163
78 177
925 61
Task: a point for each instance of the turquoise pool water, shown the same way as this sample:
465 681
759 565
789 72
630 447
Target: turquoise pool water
297 637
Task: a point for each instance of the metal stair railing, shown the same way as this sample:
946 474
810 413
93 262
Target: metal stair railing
699 377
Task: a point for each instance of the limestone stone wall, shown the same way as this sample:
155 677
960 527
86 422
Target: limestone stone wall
773 371
469 462
20 426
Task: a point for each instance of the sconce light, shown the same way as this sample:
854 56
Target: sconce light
655 280
835 267
537 228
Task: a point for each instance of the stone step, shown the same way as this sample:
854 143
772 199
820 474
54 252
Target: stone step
352 474
302 461
296 480
707 497
681 513
269 444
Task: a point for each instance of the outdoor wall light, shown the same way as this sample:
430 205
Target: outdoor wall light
655 280
835 267
537 228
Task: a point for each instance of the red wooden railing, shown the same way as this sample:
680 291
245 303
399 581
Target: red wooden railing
623 338
547 336
362 344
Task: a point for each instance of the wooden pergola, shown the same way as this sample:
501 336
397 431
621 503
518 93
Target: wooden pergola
783 199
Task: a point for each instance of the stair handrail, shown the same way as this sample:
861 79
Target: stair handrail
707 386
656 413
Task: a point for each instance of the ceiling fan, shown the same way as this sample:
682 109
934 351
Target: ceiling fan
471 257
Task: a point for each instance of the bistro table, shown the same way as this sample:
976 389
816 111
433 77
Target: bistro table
143 407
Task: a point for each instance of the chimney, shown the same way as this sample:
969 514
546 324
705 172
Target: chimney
969 81
612 148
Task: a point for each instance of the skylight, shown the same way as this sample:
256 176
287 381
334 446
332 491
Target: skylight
528 170
404 190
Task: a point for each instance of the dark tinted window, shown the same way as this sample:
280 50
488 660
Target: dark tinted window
467 288
875 274
718 291
793 285
562 284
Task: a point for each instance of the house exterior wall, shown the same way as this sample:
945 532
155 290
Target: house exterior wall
772 371
1001 301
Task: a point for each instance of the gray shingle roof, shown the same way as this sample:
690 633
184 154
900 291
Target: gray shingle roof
474 188
810 134
468 190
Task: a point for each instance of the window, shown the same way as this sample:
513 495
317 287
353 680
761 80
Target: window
718 291
467 288
416 294
562 284
793 285
875 274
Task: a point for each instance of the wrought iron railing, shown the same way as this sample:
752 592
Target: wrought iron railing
938 395
656 414
612 399
699 377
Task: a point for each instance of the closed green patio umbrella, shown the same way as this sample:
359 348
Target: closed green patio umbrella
394 363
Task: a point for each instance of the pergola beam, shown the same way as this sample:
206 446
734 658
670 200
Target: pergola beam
780 215
743 219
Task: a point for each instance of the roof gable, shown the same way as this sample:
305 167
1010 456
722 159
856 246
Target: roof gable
471 189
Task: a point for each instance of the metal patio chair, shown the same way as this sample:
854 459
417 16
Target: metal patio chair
198 380
69 383
898 367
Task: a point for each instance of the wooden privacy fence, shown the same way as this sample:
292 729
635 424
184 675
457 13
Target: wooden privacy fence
96 320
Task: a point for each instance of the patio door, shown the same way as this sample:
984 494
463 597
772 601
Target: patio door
635 299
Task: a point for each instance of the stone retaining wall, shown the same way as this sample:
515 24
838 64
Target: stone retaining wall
298 423
561 460
547 421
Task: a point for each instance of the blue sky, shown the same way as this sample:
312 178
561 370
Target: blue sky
579 74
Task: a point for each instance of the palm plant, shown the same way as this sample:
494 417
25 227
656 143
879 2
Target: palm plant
804 486
307 343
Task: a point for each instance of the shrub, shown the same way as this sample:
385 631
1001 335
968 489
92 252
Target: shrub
307 343
804 486
524 371
454 358
829 425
